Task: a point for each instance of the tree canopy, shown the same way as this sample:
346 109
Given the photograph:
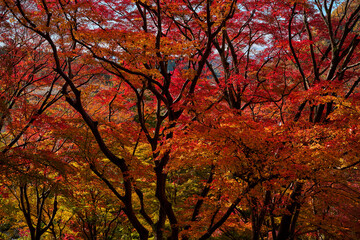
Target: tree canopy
179 119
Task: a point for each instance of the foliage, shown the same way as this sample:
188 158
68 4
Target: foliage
180 119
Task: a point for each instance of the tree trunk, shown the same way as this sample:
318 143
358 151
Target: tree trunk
289 220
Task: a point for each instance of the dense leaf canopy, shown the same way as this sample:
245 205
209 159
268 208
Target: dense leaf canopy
179 119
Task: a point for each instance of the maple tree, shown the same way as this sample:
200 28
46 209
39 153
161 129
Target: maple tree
191 119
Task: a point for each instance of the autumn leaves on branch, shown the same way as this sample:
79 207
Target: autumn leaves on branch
180 119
